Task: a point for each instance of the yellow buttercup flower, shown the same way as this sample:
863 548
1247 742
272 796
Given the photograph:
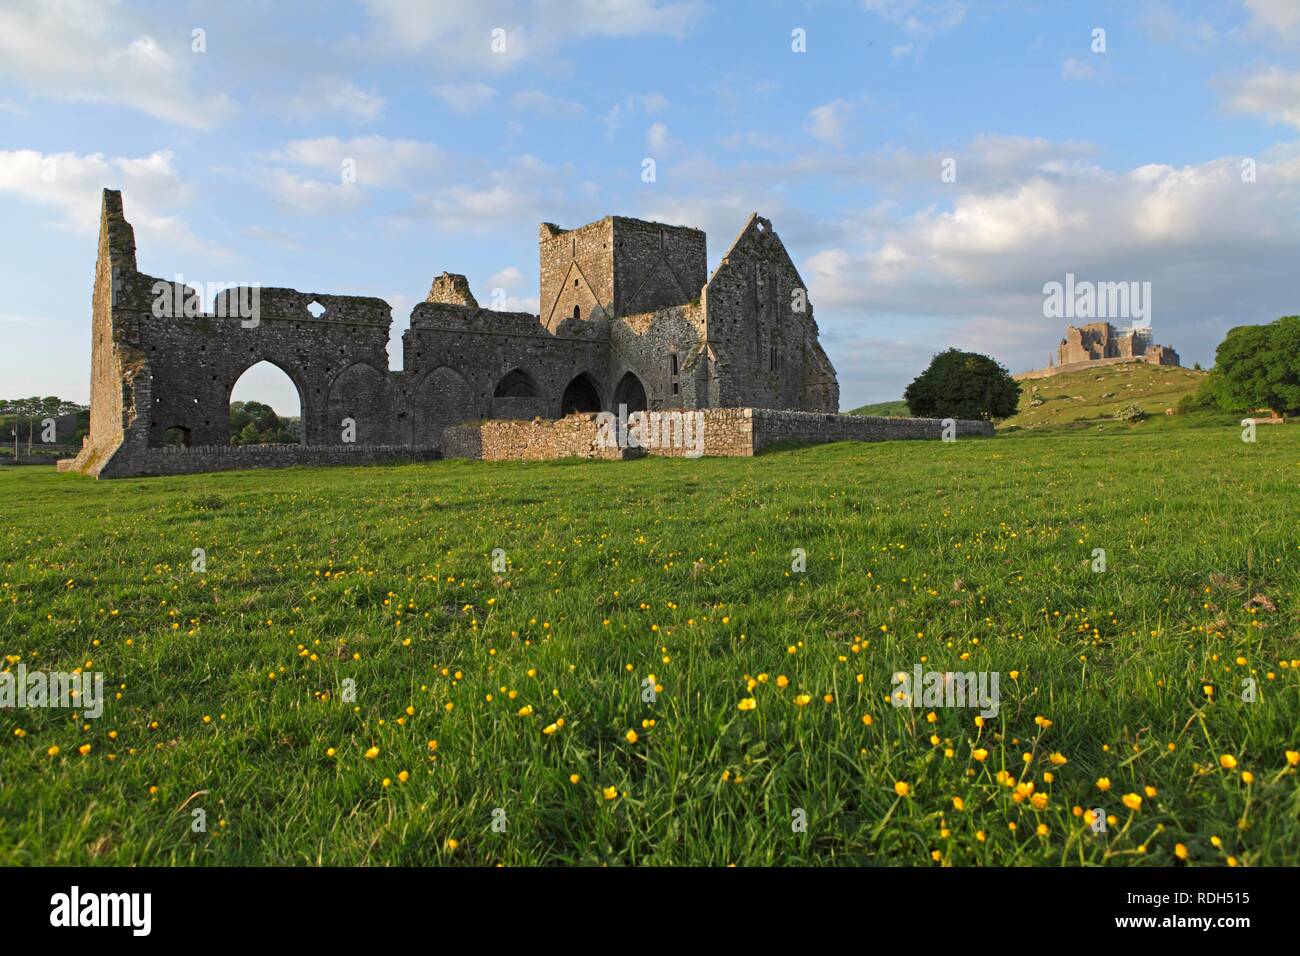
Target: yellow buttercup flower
747 704
1180 851
902 788
630 736
1103 784
1132 801
610 793
1228 762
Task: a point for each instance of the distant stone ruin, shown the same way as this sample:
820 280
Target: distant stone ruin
1100 343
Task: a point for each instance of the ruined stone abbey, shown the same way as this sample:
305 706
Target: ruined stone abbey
629 317
1100 343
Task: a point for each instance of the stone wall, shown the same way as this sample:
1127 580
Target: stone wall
728 433
773 427
179 460
574 436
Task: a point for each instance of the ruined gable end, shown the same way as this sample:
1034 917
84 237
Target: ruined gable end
760 323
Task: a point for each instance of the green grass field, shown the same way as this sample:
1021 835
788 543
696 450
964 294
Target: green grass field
970 556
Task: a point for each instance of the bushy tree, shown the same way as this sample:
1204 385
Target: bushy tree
253 423
1258 366
963 385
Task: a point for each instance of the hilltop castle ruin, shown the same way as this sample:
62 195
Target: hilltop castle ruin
1100 343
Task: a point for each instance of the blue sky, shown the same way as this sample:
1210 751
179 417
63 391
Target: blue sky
1122 165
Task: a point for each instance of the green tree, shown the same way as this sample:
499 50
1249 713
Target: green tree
254 423
1258 366
963 385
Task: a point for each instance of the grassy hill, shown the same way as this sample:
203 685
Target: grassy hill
349 681
896 409
1089 398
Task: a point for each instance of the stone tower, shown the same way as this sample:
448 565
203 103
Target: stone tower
618 266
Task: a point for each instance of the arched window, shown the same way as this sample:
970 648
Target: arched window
630 392
515 384
265 408
580 396
577 311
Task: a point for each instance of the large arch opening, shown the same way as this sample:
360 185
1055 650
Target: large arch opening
515 384
177 435
630 392
265 407
581 395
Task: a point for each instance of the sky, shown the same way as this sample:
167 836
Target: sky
931 165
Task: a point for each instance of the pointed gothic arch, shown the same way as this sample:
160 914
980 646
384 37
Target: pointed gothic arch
582 394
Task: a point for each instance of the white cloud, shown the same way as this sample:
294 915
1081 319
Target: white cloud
510 279
1218 252
1276 19
1075 69
377 160
1166 24
648 103
72 185
540 103
465 97
461 30
84 51
826 122
1272 92
311 197
657 140
752 139
332 95
507 278
922 18
525 190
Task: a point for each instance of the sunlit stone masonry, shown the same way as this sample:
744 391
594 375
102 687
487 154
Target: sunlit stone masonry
630 320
